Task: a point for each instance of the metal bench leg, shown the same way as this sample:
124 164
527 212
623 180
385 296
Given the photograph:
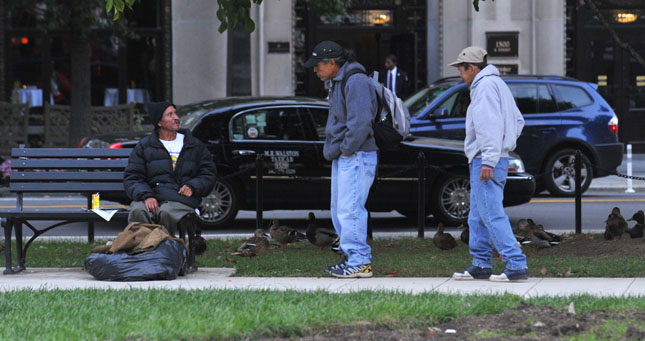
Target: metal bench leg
8 225
187 227
20 253
90 232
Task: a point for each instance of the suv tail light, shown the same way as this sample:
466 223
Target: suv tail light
613 125
116 145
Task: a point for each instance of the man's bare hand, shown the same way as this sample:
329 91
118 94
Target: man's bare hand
152 205
186 191
486 173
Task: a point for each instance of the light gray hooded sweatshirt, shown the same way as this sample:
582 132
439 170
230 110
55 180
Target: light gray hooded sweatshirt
493 121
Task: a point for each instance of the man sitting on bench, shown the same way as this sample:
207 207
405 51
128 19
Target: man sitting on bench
168 171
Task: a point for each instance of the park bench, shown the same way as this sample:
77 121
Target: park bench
68 170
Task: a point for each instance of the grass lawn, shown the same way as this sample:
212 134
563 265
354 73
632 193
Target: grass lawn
216 314
578 256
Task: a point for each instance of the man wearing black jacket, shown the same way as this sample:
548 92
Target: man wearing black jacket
168 171
394 78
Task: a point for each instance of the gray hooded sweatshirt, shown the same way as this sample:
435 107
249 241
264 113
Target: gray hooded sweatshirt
349 124
493 121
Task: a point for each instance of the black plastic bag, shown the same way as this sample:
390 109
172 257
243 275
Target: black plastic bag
163 263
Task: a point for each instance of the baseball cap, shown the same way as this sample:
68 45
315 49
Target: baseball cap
471 54
324 50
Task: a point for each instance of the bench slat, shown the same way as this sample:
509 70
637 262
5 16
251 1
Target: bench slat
68 164
89 187
77 214
70 152
63 176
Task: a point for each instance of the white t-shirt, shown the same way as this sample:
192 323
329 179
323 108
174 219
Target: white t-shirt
174 148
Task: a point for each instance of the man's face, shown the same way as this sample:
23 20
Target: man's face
468 75
326 70
169 119
389 64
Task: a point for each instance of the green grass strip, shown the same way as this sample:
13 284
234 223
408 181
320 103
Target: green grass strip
157 314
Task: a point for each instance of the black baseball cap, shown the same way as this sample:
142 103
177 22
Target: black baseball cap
324 50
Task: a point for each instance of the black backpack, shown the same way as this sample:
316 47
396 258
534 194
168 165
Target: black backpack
392 123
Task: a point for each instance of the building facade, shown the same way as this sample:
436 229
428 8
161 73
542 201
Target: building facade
179 54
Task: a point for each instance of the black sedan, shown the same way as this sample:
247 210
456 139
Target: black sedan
289 133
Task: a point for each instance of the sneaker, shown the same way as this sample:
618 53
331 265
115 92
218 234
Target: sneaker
356 271
509 275
473 272
341 265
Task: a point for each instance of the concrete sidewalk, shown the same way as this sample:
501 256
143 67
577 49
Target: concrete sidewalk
219 278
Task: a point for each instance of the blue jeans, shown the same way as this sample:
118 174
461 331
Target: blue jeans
488 221
351 179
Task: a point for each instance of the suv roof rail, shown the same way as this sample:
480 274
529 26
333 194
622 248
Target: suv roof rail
541 77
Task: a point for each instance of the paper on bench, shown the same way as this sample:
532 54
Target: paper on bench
105 214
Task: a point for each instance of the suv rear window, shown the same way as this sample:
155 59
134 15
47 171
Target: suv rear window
569 97
532 98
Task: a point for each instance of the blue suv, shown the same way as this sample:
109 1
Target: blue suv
562 115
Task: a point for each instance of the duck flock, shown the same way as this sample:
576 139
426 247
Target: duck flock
527 232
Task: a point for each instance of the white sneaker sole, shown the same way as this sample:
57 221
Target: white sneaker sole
462 276
355 275
502 278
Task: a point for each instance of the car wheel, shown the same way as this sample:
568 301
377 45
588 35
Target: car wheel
221 205
450 200
560 176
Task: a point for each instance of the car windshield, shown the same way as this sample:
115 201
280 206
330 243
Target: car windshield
189 115
420 100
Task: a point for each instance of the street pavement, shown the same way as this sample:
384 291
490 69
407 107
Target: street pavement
220 279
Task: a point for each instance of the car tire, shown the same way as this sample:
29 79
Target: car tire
220 207
560 173
450 199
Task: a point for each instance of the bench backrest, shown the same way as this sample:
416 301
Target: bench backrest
67 170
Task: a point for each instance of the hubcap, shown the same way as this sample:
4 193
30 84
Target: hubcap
564 173
455 198
217 204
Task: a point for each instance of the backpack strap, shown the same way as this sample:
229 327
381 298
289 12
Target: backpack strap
346 77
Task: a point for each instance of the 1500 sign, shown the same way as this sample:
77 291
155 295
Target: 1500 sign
502 44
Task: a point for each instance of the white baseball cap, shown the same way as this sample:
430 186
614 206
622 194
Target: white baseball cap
471 54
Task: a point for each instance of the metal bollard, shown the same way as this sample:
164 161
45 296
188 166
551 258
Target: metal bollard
630 186
259 195
421 209
578 180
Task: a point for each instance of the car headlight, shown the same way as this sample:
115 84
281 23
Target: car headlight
96 143
515 165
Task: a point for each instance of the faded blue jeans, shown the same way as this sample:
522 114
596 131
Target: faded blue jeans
351 179
488 221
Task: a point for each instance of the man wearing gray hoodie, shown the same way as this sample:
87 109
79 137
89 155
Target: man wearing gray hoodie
350 146
493 125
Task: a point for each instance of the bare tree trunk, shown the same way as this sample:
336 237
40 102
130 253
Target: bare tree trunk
80 122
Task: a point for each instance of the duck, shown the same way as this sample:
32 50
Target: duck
465 234
539 232
319 236
637 230
254 246
444 241
523 232
284 234
615 226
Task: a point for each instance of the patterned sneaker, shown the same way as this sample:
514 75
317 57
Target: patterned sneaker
472 272
356 271
509 275
341 265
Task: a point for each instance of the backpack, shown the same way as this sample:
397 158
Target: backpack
392 122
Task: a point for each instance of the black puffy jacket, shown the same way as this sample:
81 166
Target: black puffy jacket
149 172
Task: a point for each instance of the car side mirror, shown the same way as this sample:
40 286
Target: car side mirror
439 113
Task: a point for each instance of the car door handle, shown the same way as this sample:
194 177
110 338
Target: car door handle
244 152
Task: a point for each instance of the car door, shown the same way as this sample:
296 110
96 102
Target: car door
277 133
541 120
318 121
448 118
